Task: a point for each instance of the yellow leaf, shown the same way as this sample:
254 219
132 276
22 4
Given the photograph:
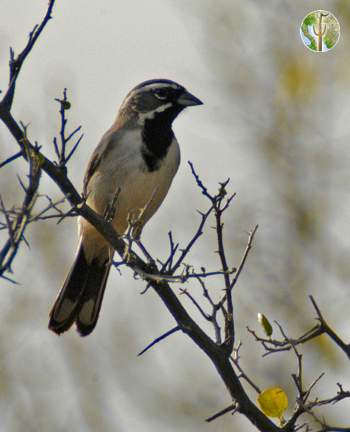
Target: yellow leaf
273 402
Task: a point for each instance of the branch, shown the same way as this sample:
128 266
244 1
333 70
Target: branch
235 359
61 150
240 268
219 206
302 404
11 159
17 226
193 240
17 63
275 345
230 409
159 339
325 329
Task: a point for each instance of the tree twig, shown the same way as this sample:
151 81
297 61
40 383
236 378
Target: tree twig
159 339
17 63
230 409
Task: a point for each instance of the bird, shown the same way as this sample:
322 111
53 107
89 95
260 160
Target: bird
134 164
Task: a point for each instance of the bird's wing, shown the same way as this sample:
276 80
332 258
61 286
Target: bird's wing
109 139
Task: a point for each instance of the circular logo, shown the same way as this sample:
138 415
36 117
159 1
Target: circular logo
320 31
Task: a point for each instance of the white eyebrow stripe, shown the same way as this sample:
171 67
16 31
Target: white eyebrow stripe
156 86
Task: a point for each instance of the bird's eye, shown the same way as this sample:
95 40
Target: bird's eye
160 94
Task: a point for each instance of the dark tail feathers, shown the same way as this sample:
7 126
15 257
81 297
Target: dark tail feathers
81 296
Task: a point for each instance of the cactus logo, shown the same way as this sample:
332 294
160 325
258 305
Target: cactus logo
320 31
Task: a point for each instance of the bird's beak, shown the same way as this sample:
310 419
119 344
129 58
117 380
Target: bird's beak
187 99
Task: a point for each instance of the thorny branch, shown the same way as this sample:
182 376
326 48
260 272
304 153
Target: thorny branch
321 328
61 148
303 403
17 224
16 63
16 220
236 361
157 274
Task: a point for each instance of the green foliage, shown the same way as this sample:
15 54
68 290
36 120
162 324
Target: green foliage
306 33
313 45
309 20
332 35
304 28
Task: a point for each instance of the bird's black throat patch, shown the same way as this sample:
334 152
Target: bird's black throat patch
157 136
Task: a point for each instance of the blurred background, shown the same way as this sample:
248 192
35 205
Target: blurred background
275 120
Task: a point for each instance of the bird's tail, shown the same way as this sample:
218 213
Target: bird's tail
81 296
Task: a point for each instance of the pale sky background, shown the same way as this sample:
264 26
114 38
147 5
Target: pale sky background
274 120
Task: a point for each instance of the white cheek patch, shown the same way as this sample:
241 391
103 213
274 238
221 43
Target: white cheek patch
149 115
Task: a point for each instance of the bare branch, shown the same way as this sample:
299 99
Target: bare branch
235 359
275 345
185 292
17 225
17 63
230 409
197 234
159 339
61 149
11 159
324 328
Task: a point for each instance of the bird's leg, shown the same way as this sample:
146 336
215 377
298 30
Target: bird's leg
135 233
145 251
129 238
137 229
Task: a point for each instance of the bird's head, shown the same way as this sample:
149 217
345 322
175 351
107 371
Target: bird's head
157 99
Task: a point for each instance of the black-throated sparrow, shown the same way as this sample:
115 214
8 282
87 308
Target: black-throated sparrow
136 159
